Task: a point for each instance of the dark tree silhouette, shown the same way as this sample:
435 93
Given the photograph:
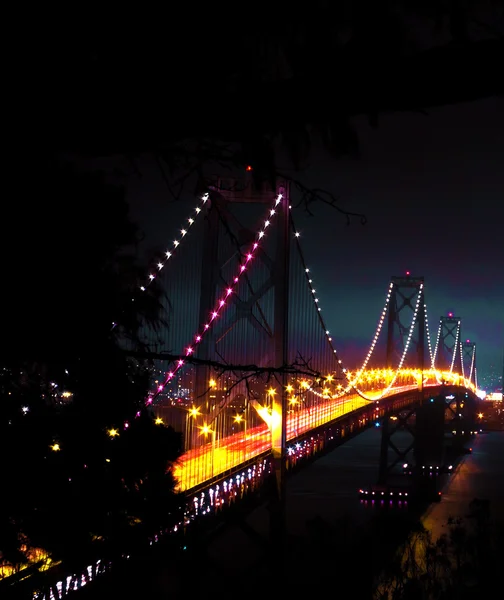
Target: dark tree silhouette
79 470
215 86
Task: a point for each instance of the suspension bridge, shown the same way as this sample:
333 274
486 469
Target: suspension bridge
246 367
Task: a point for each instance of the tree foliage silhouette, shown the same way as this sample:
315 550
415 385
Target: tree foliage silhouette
79 470
205 87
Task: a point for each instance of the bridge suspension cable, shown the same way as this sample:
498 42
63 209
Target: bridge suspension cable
455 346
406 347
472 364
429 342
436 347
312 291
375 337
461 360
221 303
176 243
318 308
351 383
161 262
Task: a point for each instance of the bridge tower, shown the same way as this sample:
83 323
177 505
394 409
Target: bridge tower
406 295
447 348
469 360
223 193
424 420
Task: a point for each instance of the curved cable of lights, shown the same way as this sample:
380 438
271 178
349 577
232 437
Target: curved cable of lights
385 391
351 384
431 353
455 346
429 343
461 360
221 303
438 337
472 364
176 243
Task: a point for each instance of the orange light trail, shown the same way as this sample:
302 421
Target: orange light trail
220 455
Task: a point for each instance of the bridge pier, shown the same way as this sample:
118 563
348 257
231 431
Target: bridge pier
424 421
428 419
429 433
464 418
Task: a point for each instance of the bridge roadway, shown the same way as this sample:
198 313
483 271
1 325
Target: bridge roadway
257 444
226 455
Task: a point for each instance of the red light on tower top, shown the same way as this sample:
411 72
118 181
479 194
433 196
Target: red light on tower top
450 314
407 273
468 341
248 168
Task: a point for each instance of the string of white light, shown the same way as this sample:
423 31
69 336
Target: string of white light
462 360
176 243
472 363
316 302
221 303
438 337
161 263
429 343
405 350
351 383
457 336
431 353
376 335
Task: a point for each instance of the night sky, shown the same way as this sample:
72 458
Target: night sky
432 189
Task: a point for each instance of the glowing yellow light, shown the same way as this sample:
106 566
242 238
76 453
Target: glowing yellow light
158 421
212 383
293 401
289 388
55 447
271 391
194 411
480 415
305 385
205 429
329 378
113 432
238 418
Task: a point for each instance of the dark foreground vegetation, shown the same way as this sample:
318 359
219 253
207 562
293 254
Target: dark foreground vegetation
86 470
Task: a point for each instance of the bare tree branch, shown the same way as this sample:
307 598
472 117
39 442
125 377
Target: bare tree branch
300 366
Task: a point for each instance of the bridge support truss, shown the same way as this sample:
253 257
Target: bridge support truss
461 417
469 360
427 421
424 421
406 295
223 193
447 349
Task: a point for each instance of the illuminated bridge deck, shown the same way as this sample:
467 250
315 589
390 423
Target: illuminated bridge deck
212 459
